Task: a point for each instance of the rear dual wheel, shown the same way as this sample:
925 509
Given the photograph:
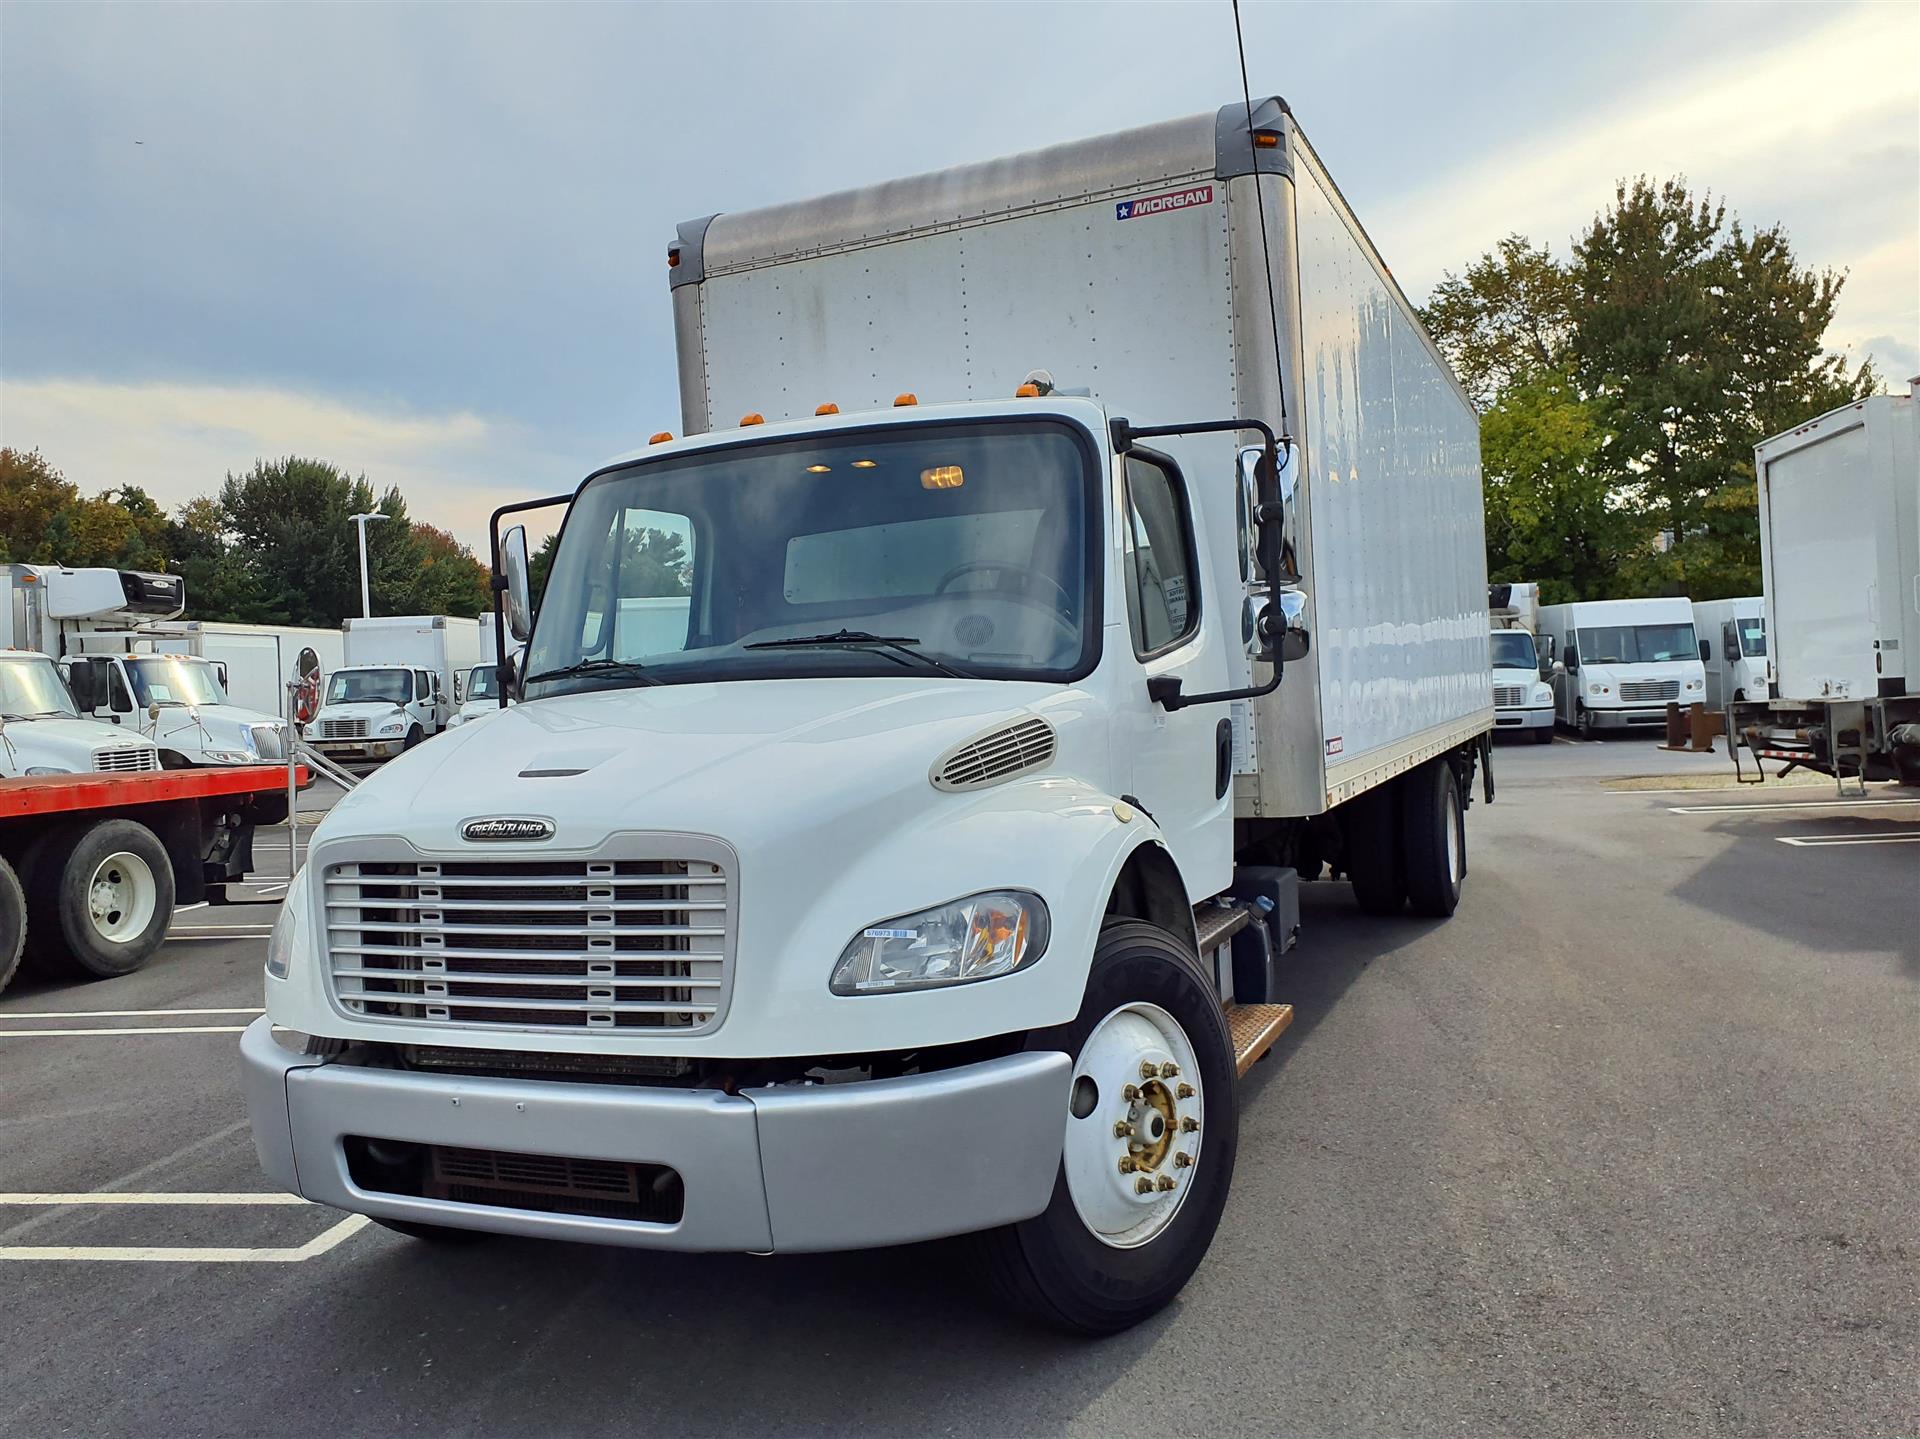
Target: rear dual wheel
13 922
1152 1132
100 896
1407 843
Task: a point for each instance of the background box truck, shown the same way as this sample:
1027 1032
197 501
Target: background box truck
400 685
1840 563
932 873
1619 663
1733 646
1522 699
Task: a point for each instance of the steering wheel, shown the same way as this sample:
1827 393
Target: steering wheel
1026 576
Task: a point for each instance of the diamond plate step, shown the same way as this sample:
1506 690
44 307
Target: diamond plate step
1254 1028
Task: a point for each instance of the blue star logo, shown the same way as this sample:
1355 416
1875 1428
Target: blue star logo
1123 210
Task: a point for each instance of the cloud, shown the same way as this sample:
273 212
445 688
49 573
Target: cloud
1834 158
178 441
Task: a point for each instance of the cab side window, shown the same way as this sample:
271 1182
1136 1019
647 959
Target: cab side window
117 696
1163 596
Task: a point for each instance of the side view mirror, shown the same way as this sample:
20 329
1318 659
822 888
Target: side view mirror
518 592
153 711
220 669
1571 664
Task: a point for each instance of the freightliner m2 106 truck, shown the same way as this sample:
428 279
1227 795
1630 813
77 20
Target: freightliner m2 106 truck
1066 554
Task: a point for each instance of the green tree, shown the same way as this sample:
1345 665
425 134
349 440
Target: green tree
44 519
450 581
1506 319
221 584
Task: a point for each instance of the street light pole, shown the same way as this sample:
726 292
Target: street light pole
366 604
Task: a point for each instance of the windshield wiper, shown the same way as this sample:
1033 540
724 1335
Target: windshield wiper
899 645
595 667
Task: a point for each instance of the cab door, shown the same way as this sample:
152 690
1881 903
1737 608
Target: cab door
1182 759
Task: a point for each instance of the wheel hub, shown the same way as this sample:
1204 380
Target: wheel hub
121 897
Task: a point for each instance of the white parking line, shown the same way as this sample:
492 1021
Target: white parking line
162 1254
157 1029
118 1197
1769 807
222 931
1825 841
117 1013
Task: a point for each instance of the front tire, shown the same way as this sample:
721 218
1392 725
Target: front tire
414 736
1116 1244
13 923
1543 735
1583 721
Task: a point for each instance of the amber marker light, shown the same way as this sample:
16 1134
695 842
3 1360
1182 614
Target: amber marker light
943 477
902 401
661 438
866 464
819 469
827 409
755 418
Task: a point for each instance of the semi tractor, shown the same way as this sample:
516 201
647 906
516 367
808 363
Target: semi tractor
1840 564
1072 553
130 661
1522 698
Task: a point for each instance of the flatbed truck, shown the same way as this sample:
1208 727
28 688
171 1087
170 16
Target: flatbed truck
93 865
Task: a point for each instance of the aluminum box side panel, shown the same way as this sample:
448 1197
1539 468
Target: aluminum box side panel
1391 461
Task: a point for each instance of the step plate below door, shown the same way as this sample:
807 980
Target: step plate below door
1253 1029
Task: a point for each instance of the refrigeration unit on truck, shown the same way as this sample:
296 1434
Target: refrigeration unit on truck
1840 564
932 874
131 661
1617 664
1733 647
399 686
1522 699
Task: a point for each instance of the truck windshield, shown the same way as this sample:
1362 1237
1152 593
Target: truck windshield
171 680
394 687
1753 637
31 687
938 550
481 683
1637 644
1513 650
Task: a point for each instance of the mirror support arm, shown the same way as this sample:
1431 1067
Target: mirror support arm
497 584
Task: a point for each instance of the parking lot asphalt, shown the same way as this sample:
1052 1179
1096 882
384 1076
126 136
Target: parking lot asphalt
1626 1147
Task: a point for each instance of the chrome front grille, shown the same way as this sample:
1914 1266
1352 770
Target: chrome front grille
1649 691
1508 697
343 729
602 944
126 759
268 742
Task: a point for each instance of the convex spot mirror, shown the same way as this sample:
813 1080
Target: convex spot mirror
519 604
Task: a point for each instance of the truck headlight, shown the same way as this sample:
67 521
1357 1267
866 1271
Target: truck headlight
1596 689
37 769
228 756
1543 694
1693 684
980 937
281 942
394 725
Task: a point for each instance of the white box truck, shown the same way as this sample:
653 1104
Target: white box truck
400 685
930 873
1733 647
1617 664
1840 564
1522 698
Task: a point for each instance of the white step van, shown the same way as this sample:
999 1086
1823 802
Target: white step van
1618 663
899 830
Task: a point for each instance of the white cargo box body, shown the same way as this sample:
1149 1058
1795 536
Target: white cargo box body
1131 266
444 644
1840 551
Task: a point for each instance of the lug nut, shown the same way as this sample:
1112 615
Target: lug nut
1130 1093
1123 1130
1143 1185
1183 1161
1189 1125
1126 1164
1169 1070
1185 1091
1149 1070
1167 1181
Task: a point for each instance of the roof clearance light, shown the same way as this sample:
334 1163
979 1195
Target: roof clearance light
902 401
1266 139
827 409
819 469
1027 392
661 438
943 477
866 464
673 257
752 418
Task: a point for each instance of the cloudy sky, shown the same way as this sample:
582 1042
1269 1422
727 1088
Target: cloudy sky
428 242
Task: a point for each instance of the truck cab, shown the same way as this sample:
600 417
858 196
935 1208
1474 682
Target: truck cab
1522 699
1733 648
1619 663
374 711
480 695
43 732
177 701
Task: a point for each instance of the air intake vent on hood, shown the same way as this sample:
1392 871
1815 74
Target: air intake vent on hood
996 755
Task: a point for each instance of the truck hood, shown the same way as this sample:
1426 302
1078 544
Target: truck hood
226 727
65 744
745 761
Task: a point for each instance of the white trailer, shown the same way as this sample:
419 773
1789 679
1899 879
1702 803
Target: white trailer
1840 562
1617 664
936 835
1733 647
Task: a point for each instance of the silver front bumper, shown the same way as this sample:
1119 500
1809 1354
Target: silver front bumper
1527 718
839 1166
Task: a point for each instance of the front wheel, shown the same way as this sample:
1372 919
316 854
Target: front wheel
100 897
1543 735
414 736
1152 1132
13 922
1583 721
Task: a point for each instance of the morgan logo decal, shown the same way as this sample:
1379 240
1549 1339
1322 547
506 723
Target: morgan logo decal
1163 203
506 828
